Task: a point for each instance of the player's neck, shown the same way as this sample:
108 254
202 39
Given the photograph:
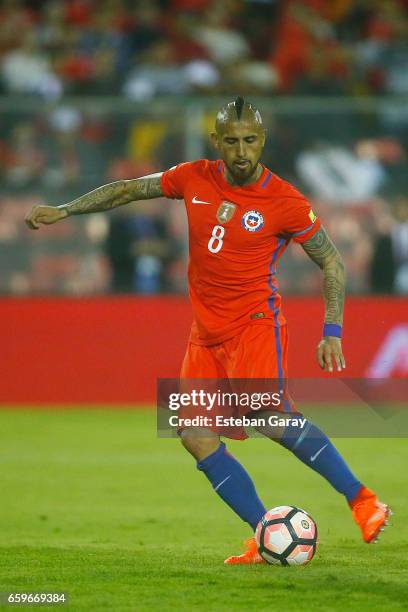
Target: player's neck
252 179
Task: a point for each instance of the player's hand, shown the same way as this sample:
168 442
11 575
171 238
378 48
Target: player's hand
329 351
44 215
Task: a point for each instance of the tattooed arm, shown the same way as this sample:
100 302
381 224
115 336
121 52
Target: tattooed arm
101 199
323 252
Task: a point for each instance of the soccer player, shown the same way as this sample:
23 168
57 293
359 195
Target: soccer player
241 219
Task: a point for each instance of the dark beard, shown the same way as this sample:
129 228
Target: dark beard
241 180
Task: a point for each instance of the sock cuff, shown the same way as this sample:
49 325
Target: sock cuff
209 461
294 436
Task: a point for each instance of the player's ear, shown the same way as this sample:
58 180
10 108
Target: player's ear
214 140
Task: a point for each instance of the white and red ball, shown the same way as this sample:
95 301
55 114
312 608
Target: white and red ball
286 535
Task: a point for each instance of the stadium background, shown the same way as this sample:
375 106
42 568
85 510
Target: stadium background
92 96
94 309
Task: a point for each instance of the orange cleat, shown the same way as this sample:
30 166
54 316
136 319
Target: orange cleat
251 555
370 514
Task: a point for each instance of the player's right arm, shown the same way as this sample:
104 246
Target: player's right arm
101 199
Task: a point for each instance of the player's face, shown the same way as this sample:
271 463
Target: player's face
240 144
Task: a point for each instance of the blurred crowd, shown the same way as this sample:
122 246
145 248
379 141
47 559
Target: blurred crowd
352 165
147 48
349 159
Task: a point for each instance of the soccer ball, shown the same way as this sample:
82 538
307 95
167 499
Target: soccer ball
286 536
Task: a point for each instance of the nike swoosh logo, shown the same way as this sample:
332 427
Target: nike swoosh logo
221 483
195 201
375 517
315 456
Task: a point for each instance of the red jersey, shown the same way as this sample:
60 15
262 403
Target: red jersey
236 237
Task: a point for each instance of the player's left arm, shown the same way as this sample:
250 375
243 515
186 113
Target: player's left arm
323 252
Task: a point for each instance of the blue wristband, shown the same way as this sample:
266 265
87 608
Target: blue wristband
332 329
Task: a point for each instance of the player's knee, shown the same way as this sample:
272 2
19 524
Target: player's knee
199 445
272 432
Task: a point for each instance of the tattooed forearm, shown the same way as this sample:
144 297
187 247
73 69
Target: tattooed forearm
334 284
116 194
323 252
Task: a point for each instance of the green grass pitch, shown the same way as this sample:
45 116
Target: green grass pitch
93 503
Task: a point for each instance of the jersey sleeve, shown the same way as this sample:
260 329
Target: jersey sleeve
174 180
300 221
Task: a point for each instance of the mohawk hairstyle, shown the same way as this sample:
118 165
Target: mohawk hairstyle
239 105
239 110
